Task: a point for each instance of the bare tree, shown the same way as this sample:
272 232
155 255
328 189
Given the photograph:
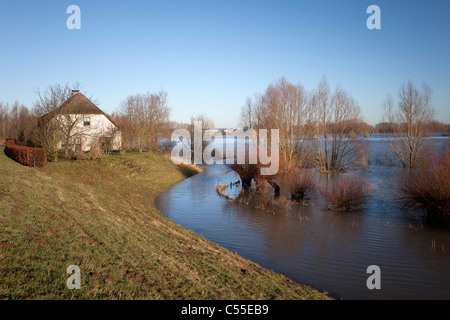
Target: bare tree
158 113
143 116
409 122
286 107
16 122
125 127
4 117
13 123
58 127
206 124
70 129
49 133
133 108
334 116
247 115
26 125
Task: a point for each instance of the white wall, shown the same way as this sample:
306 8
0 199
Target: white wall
100 126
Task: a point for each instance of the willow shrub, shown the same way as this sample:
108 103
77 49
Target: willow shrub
428 187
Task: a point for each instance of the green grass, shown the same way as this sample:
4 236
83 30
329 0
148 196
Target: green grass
100 216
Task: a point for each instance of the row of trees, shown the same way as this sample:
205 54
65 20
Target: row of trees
333 122
142 118
16 121
433 126
324 128
314 127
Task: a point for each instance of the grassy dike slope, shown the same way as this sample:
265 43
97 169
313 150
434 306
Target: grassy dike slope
100 216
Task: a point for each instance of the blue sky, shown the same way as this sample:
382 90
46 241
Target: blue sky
210 55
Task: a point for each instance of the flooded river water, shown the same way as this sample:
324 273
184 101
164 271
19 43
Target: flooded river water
328 250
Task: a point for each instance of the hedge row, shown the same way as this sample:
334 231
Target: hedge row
35 157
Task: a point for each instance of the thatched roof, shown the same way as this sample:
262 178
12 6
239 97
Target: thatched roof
77 104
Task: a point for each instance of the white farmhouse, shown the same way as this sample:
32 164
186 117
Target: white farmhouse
84 125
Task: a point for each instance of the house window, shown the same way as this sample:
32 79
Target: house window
87 121
75 140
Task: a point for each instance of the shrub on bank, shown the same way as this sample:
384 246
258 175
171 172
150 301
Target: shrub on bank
28 156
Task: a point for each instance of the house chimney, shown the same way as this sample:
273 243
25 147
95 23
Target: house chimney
74 92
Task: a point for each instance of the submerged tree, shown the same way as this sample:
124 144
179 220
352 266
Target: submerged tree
428 187
335 114
300 184
346 193
409 121
283 106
